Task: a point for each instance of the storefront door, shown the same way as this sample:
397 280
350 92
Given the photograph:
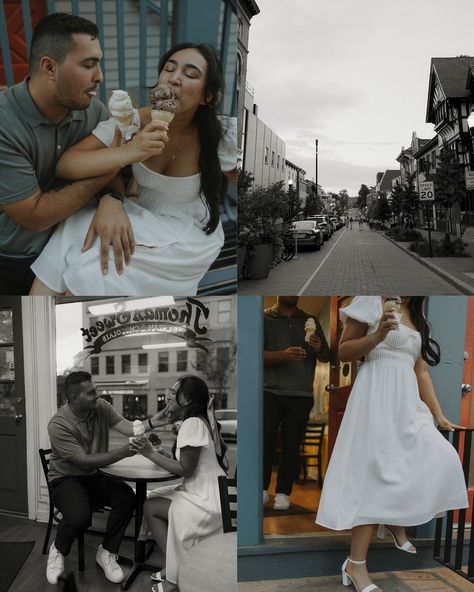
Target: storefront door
13 482
341 376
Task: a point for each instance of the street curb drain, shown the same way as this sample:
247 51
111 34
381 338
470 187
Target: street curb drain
442 273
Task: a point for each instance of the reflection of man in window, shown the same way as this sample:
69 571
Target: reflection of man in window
289 365
79 434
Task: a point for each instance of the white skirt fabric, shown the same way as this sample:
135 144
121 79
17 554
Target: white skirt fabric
390 464
172 255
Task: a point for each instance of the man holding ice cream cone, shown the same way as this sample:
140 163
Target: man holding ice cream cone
293 342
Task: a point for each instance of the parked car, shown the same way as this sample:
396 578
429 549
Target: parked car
323 219
336 221
227 419
308 233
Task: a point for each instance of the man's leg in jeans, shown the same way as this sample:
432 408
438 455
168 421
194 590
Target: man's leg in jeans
295 420
272 416
104 491
72 499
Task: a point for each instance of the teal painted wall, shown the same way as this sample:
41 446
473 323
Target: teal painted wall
447 317
250 419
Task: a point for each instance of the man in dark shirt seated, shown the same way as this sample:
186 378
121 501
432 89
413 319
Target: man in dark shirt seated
79 435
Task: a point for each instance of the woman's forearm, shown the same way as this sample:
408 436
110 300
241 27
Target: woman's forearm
354 349
169 464
428 395
77 163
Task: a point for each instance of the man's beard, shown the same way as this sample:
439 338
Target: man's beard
67 98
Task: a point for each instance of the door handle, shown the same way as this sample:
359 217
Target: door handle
18 417
330 388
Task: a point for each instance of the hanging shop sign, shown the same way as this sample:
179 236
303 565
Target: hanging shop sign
185 323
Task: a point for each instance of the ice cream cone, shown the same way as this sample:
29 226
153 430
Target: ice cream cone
164 116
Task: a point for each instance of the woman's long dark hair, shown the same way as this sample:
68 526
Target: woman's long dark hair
430 350
210 132
196 391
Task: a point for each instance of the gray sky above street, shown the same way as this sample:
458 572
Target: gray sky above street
352 74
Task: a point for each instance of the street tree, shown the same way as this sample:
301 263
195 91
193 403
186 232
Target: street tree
398 193
449 183
217 367
361 201
244 181
382 208
342 202
313 205
411 200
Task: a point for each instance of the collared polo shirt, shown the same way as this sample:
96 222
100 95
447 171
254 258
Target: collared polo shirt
294 377
30 146
71 436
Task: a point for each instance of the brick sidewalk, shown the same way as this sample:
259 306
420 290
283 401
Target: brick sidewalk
459 271
352 262
432 580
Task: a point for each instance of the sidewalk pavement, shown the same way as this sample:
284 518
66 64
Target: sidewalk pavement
434 580
352 262
458 271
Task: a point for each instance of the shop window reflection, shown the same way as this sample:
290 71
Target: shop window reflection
134 407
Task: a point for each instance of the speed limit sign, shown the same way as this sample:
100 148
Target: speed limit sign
427 191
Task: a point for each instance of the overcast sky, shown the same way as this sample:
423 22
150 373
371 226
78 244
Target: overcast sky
353 74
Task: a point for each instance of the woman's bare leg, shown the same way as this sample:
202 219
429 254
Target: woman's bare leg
399 533
40 289
156 510
361 536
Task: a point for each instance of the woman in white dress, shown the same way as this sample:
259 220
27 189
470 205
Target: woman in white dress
179 173
180 519
390 465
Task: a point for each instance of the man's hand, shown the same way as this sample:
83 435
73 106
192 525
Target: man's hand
315 343
111 223
127 450
295 353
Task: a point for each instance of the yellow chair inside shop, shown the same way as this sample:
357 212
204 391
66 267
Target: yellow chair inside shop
311 451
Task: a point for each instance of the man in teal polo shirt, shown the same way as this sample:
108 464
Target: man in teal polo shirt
52 109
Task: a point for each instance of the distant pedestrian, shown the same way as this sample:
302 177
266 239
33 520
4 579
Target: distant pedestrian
350 222
371 223
361 223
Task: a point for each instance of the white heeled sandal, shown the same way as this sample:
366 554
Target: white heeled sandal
347 580
407 546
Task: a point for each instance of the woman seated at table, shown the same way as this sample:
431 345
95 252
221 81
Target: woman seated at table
180 519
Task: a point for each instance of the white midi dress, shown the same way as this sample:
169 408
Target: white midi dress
390 464
195 510
172 252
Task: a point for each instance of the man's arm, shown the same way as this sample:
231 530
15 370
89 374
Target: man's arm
41 211
160 419
102 459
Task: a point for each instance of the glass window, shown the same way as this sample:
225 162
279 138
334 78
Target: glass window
126 364
163 361
110 365
223 311
95 365
135 407
182 361
273 158
278 161
108 398
161 399
6 326
142 363
266 155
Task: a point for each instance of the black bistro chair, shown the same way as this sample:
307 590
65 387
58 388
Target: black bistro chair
55 515
311 450
228 497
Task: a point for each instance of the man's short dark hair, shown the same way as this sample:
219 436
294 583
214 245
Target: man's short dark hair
52 37
73 380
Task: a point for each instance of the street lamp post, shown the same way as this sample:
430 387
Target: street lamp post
290 213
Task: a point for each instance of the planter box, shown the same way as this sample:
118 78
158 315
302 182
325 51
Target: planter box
260 262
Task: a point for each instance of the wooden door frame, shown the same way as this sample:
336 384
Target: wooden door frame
39 352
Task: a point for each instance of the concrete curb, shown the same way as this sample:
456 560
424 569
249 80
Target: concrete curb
442 273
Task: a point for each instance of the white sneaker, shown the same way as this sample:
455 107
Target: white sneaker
108 562
266 497
55 565
282 502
